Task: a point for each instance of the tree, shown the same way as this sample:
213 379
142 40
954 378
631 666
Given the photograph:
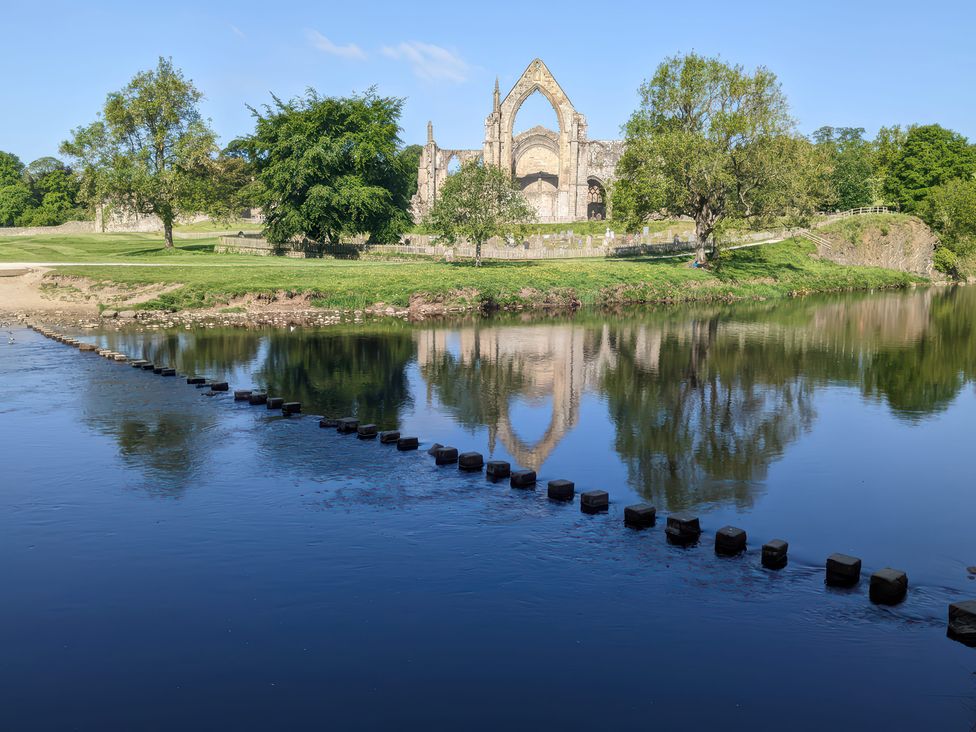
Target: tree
14 201
852 163
710 141
930 156
410 157
476 203
152 152
10 169
329 167
950 209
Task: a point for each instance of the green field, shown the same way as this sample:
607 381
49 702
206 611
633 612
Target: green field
207 279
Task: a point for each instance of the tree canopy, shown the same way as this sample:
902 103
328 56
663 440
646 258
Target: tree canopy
329 168
476 203
929 156
711 141
152 152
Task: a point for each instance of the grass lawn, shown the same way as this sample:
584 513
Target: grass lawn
773 270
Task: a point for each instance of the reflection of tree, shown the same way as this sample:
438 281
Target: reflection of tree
204 351
349 372
926 376
705 422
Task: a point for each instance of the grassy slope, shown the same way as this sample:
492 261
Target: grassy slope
774 270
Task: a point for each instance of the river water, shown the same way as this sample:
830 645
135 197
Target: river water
176 560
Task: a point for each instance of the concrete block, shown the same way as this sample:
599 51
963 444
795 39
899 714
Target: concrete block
138 363
122 357
962 622
149 367
275 402
446 455
888 586
729 541
328 422
682 529
471 461
158 369
257 398
291 408
843 570
774 554
498 469
168 372
219 386
523 479
432 450
594 501
347 425
196 380
640 516
242 395
366 432
389 437
561 490
408 443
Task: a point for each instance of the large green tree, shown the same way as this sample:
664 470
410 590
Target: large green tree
929 156
852 166
11 168
712 142
476 203
152 152
329 168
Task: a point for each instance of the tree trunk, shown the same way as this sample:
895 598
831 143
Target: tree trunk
477 254
168 231
703 230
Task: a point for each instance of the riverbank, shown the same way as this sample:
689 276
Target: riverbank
136 279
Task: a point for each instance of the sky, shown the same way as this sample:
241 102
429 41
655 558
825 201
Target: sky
854 64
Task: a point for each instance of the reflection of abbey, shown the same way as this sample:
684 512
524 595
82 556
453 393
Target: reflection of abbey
562 174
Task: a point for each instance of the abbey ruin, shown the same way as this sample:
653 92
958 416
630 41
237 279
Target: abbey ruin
562 173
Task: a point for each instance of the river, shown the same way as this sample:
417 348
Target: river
177 560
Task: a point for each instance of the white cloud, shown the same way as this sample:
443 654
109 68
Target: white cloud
238 32
429 62
350 50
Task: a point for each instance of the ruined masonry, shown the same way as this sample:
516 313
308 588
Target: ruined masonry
562 174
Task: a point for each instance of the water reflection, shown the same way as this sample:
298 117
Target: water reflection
701 399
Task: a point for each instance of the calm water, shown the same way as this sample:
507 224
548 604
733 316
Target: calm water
171 560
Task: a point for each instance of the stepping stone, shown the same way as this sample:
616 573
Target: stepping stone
594 501
407 443
219 386
843 570
523 479
242 395
471 461
167 372
257 397
774 554
682 529
498 469
148 367
389 437
196 380
347 425
561 490
962 622
432 450
158 369
446 455
366 432
275 402
291 408
729 541
640 516
888 586
328 422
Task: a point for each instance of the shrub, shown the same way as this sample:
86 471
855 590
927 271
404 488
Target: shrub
946 261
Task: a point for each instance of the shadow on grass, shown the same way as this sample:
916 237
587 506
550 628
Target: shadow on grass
498 264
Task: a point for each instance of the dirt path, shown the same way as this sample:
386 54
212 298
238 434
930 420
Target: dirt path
23 293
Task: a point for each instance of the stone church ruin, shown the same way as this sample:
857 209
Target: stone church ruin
562 174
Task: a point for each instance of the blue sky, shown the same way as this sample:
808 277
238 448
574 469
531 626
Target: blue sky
863 64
